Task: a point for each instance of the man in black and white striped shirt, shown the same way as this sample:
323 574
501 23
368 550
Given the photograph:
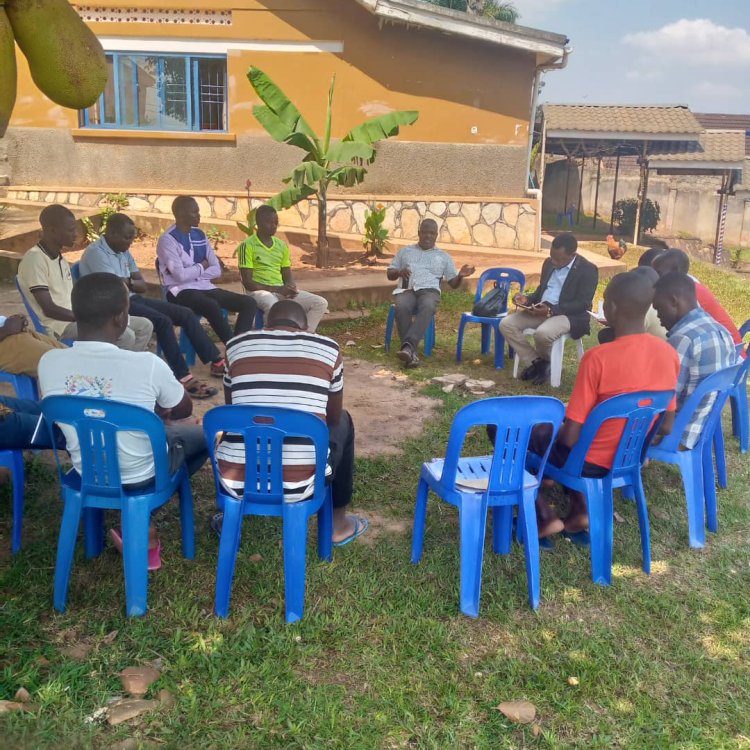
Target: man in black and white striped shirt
285 365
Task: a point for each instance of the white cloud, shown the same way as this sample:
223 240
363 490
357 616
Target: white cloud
696 41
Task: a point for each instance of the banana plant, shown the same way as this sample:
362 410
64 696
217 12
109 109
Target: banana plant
326 162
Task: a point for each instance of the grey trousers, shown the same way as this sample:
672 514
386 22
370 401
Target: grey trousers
547 331
414 311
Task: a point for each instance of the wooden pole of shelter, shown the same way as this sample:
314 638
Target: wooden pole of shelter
614 192
596 194
580 190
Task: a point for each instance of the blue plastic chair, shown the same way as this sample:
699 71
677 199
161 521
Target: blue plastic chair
34 318
429 336
738 401
696 464
99 488
264 430
641 413
24 387
502 277
508 484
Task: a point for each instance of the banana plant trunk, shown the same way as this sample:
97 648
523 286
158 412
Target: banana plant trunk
322 259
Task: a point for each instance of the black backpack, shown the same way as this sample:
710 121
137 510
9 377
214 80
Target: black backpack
493 304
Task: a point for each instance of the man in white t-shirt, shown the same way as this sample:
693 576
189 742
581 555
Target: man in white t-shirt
45 279
95 367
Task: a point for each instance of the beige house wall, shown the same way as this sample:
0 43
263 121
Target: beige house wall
473 100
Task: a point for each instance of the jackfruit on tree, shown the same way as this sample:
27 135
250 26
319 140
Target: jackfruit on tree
7 71
66 60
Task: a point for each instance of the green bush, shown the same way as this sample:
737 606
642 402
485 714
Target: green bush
624 215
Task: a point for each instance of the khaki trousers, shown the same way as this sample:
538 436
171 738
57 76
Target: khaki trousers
547 331
20 354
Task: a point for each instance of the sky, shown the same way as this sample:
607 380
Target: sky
694 52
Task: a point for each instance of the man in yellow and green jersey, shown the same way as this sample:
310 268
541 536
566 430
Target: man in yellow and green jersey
266 270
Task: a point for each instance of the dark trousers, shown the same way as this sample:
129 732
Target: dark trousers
165 316
341 460
209 304
186 444
414 311
17 428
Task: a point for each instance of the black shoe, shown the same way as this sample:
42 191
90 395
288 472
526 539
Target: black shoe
542 372
406 354
530 372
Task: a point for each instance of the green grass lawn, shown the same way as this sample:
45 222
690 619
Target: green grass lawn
383 658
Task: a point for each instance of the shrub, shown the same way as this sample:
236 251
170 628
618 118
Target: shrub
624 215
376 235
113 202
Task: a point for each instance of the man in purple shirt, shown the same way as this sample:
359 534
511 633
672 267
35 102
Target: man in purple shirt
188 266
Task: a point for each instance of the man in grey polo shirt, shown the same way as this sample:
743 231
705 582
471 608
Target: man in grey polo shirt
420 268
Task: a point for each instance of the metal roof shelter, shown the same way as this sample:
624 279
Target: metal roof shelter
720 153
595 131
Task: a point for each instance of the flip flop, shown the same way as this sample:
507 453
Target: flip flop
360 526
199 390
154 553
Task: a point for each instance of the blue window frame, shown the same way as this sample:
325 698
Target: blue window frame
162 92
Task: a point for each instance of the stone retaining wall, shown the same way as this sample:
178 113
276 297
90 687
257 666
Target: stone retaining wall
484 222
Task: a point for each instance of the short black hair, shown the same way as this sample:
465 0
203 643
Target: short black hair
675 259
632 292
98 297
55 215
565 241
180 203
678 285
647 272
263 210
649 256
118 222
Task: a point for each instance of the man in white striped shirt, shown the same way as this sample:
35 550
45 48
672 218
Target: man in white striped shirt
285 365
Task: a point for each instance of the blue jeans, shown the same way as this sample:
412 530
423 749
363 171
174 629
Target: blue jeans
17 428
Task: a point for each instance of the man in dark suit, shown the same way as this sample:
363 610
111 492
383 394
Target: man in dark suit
560 305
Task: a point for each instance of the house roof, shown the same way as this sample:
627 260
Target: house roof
616 121
718 121
725 147
425 15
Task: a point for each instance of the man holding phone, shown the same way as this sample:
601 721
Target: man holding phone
559 306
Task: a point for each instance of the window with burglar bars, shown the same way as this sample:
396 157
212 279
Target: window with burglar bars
162 92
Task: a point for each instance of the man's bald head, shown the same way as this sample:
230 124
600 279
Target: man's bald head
288 313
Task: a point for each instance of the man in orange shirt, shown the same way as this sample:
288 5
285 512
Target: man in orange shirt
677 260
633 361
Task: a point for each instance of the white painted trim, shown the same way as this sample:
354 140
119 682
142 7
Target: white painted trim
192 46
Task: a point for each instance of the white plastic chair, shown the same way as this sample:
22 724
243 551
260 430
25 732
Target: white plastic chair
556 357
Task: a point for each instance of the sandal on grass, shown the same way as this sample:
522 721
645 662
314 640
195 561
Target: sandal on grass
199 390
154 553
360 526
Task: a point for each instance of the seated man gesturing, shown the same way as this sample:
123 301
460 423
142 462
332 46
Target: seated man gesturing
420 268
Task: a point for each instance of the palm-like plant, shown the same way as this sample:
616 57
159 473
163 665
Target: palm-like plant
325 162
500 11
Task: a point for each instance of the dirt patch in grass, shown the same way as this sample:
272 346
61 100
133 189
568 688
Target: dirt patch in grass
380 525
